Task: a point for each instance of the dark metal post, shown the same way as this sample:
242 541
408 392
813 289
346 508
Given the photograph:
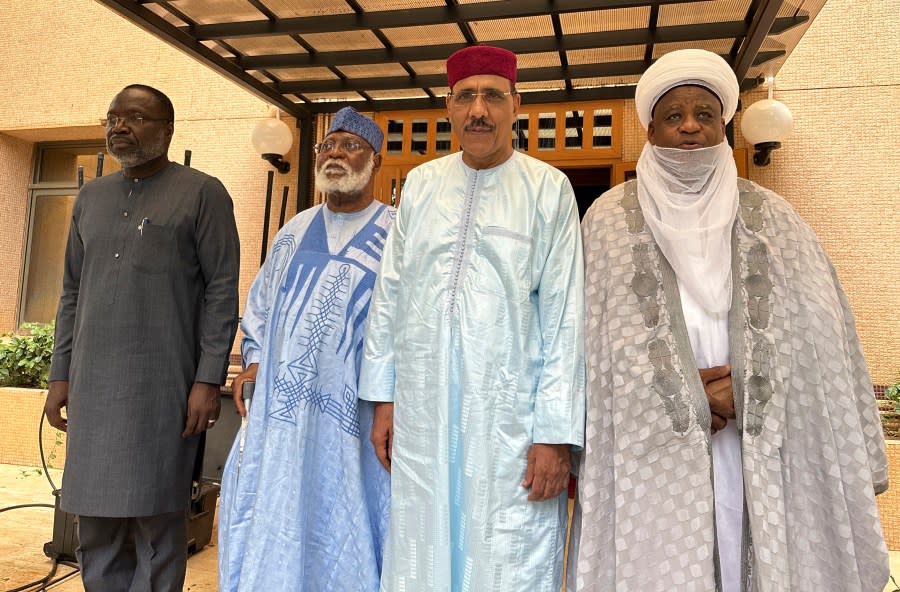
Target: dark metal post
268 214
80 176
100 156
304 175
187 158
284 196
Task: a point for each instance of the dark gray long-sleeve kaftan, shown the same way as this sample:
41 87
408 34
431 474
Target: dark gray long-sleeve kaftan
149 306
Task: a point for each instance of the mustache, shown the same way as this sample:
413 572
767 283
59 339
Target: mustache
479 123
335 163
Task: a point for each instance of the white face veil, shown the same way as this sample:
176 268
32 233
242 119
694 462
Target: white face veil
689 198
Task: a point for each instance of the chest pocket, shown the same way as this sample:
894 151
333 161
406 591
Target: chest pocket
505 266
153 248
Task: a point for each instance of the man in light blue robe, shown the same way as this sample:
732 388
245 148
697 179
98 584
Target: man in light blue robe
305 502
474 353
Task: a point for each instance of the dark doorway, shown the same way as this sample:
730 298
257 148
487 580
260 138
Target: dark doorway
588 184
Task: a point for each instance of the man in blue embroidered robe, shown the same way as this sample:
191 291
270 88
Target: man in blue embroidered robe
305 505
474 352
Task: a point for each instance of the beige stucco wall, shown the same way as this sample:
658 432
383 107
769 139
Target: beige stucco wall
13 189
58 79
840 167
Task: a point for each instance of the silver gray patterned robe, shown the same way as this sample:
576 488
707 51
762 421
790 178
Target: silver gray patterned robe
812 447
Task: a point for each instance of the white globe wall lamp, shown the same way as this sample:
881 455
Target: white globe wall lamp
765 124
272 139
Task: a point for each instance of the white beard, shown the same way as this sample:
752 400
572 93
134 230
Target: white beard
351 183
143 154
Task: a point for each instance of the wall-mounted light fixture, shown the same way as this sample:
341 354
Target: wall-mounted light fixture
764 124
272 138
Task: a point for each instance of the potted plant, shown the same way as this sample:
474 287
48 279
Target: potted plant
24 365
890 417
25 356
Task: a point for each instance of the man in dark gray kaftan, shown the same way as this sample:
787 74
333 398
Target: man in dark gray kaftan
144 329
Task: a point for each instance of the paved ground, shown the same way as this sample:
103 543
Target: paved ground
24 531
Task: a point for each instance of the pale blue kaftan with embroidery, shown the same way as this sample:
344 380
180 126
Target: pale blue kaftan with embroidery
475 334
305 508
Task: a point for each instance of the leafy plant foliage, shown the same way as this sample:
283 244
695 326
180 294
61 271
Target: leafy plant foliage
893 393
25 356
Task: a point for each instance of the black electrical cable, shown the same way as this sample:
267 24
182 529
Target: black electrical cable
18 506
41 447
42 583
41 587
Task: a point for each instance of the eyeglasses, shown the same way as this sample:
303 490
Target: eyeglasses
346 146
491 96
132 120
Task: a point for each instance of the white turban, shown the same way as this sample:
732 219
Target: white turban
687 67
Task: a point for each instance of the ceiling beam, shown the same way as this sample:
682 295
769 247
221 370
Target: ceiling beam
413 17
763 20
632 68
158 27
529 98
641 36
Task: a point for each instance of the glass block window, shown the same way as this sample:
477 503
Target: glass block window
547 131
602 130
419 136
395 136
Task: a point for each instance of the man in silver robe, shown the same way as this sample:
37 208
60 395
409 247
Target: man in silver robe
732 438
144 329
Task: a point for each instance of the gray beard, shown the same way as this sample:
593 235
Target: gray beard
351 183
143 154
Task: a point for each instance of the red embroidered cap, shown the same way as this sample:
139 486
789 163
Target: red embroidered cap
481 59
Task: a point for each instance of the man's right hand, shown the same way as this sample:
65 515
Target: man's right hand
717 384
383 433
237 387
57 398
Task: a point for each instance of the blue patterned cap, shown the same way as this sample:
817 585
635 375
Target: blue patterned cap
348 119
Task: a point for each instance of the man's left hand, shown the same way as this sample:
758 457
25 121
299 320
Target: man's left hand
547 474
202 408
717 384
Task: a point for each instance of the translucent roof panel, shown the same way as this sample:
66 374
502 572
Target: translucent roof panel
343 40
604 81
512 28
594 21
381 5
719 46
537 60
207 12
424 35
170 18
373 70
272 45
400 93
293 9
293 74
217 47
429 67
606 55
712 11
334 97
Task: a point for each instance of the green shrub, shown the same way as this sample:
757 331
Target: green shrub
25 356
893 393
